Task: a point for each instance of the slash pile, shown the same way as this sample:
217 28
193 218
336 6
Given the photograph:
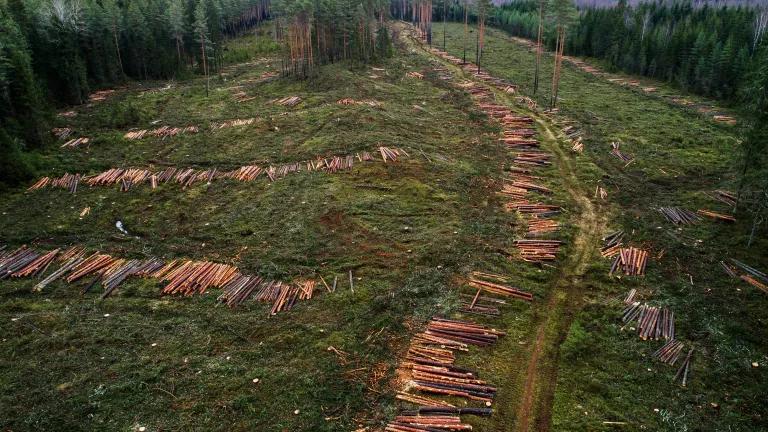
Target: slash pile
678 215
128 177
632 261
161 132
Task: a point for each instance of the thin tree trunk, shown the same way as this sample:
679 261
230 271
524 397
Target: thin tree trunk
538 47
466 30
117 48
205 64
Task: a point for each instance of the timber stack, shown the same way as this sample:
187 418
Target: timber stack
429 369
747 273
126 178
181 277
679 216
631 261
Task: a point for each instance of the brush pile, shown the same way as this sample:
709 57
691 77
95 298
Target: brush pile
748 274
181 277
618 153
679 216
290 101
233 123
716 216
162 132
631 261
126 178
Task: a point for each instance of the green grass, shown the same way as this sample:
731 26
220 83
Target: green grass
405 229
603 372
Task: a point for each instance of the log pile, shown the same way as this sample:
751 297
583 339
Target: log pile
619 154
716 216
538 250
631 261
496 288
653 322
612 244
233 123
126 178
429 369
290 101
670 352
679 216
61 133
538 225
414 74
76 142
180 277
162 132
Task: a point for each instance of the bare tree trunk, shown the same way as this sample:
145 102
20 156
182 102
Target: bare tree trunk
539 36
205 64
466 30
117 48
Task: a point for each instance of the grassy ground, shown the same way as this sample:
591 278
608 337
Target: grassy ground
605 374
405 229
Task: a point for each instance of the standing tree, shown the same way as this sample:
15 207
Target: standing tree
483 7
466 27
176 25
200 27
539 45
562 13
115 18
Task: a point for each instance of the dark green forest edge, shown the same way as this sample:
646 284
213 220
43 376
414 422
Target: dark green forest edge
408 230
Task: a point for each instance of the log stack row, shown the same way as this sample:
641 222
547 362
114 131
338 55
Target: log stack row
181 277
128 177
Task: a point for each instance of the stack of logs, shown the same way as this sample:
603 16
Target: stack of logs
612 244
128 177
161 132
486 305
632 261
716 216
429 367
233 123
653 322
181 277
679 216
289 101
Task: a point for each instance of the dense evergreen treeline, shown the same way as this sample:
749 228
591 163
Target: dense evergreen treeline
55 52
707 50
